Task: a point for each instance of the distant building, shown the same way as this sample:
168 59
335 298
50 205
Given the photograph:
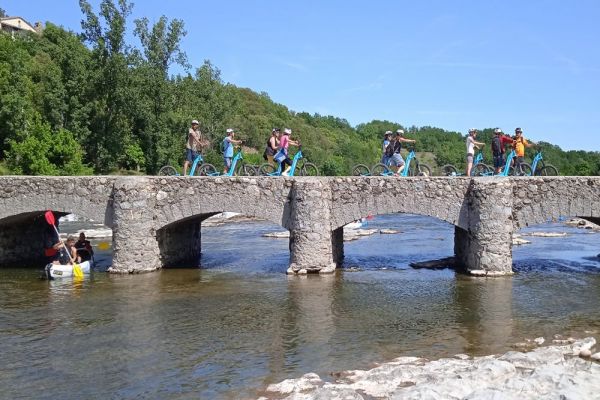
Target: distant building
18 25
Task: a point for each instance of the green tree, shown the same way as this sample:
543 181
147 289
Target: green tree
110 124
41 151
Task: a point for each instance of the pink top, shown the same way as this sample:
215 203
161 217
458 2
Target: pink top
284 143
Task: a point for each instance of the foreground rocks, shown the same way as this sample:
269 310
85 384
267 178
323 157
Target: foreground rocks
546 372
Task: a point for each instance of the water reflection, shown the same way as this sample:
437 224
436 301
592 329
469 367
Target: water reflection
485 312
239 323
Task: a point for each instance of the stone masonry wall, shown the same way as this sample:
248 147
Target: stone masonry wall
311 243
314 209
538 200
86 196
135 246
180 244
485 246
358 197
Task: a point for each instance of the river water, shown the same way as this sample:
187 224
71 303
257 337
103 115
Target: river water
239 323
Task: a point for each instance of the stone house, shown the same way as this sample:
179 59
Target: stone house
18 25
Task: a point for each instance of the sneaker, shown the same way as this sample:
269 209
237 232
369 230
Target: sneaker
285 174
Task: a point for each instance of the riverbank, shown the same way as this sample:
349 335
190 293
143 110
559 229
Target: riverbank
557 371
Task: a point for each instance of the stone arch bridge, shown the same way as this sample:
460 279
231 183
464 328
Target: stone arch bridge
156 220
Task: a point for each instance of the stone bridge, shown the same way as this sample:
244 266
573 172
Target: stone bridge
156 221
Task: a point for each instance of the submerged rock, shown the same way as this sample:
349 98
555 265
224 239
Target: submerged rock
448 262
546 372
582 223
517 241
354 234
546 234
388 231
278 235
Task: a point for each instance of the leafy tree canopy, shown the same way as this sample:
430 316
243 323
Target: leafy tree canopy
93 102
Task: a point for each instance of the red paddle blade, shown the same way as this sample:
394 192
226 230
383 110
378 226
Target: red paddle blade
49 215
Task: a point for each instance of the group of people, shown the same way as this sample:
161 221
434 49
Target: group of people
499 143
276 149
69 251
278 144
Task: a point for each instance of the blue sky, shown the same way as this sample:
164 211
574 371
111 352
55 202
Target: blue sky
451 64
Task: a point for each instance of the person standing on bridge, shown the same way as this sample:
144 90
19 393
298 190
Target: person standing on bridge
282 155
394 148
386 142
499 142
471 146
193 146
519 144
228 143
272 145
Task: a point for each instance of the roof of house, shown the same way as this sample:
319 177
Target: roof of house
7 21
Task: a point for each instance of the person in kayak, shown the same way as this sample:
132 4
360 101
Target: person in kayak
52 245
84 248
65 250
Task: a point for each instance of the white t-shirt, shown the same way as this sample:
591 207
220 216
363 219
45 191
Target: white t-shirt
470 145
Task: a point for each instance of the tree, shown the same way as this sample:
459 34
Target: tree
153 90
2 13
110 125
161 45
42 151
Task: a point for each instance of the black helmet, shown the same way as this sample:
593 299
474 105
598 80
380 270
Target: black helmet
518 130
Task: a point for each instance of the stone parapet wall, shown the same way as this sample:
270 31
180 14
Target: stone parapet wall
539 200
358 197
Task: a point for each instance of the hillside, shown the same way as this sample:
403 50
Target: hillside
94 103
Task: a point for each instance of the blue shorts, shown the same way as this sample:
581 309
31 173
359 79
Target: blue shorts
397 160
190 155
498 161
227 162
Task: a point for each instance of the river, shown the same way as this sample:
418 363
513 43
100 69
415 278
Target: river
239 323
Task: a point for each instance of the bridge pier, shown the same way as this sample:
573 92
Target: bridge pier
485 248
180 243
311 238
135 244
337 244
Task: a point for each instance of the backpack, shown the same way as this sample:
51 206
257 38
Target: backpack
393 147
496 145
225 145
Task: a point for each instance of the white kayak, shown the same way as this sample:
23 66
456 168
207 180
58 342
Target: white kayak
66 271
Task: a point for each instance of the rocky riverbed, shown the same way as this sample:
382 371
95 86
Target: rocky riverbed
558 371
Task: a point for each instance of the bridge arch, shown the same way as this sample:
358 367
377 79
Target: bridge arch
200 198
24 200
181 209
540 200
443 199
